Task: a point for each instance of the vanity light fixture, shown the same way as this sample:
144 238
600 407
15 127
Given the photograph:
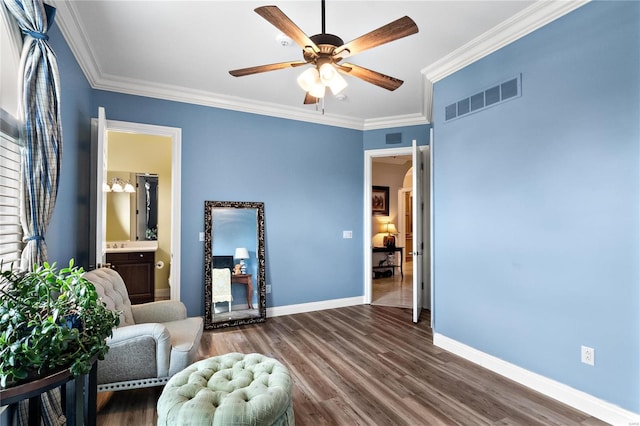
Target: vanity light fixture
119 185
242 253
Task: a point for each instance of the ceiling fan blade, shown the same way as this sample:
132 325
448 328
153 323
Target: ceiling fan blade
308 99
374 77
264 68
278 19
392 31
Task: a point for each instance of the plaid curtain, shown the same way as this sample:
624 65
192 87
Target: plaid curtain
42 138
42 153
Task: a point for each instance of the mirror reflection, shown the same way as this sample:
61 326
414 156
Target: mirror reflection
132 206
234 259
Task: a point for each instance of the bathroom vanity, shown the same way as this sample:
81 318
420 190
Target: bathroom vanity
135 262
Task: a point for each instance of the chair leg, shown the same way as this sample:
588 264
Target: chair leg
229 305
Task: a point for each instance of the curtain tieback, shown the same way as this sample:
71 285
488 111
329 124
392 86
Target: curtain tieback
36 35
33 237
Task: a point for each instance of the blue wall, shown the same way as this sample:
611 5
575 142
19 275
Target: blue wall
67 236
536 200
537 204
376 139
309 176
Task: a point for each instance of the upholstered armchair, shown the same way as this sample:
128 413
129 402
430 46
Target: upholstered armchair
153 341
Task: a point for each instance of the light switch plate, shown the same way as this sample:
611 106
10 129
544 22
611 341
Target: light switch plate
347 234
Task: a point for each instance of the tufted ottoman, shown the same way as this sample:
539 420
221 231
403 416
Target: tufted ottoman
231 390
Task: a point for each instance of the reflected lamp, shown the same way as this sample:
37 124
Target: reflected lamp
242 254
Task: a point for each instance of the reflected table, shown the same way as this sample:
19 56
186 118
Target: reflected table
246 280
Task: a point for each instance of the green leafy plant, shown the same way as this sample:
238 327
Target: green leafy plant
49 320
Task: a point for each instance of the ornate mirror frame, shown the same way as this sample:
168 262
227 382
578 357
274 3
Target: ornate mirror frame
209 207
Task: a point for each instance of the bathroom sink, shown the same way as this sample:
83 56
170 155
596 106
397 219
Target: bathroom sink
129 246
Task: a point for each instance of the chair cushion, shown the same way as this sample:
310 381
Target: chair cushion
185 342
231 389
113 292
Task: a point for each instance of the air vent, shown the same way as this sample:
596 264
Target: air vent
491 96
393 138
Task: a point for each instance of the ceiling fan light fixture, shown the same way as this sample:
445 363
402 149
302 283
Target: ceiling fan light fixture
308 79
338 84
330 77
317 91
327 73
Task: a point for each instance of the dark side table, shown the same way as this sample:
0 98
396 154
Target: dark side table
390 250
79 396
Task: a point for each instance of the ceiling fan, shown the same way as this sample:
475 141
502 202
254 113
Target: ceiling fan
325 51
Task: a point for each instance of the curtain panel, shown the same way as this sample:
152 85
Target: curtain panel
42 133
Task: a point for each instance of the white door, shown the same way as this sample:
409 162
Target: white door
418 237
101 195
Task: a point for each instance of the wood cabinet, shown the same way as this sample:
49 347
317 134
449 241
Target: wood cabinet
137 269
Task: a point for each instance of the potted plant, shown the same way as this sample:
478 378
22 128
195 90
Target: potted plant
50 320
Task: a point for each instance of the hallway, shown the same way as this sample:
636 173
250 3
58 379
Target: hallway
395 290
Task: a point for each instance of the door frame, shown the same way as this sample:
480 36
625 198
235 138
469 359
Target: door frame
369 155
175 133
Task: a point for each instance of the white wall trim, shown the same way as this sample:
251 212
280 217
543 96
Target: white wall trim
525 22
579 400
314 306
366 232
175 134
521 24
396 121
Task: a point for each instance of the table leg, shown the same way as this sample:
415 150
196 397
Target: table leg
249 292
91 395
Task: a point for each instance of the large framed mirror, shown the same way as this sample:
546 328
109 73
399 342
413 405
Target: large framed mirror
234 277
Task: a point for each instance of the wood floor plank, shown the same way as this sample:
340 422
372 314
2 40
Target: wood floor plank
367 365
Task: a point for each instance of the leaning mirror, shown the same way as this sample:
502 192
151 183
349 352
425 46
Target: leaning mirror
234 279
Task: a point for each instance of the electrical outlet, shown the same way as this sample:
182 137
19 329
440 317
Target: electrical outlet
588 355
201 236
347 234
268 288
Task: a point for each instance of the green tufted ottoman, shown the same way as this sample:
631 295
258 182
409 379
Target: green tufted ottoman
231 390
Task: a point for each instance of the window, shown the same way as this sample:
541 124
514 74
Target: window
10 152
10 228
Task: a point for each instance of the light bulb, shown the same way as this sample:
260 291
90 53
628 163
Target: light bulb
338 84
317 91
327 74
308 79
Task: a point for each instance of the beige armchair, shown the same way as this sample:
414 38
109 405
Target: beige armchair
153 341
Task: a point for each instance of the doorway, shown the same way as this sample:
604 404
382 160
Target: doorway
421 154
369 223
98 202
393 286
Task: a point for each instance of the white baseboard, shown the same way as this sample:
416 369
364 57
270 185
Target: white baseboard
577 399
314 306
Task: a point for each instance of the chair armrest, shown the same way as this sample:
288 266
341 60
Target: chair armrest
162 311
136 351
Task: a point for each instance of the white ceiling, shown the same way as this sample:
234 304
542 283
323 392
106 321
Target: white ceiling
183 50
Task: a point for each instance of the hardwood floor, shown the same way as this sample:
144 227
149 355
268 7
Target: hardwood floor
367 365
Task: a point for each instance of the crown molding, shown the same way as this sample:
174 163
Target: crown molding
396 121
528 20
199 97
73 33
